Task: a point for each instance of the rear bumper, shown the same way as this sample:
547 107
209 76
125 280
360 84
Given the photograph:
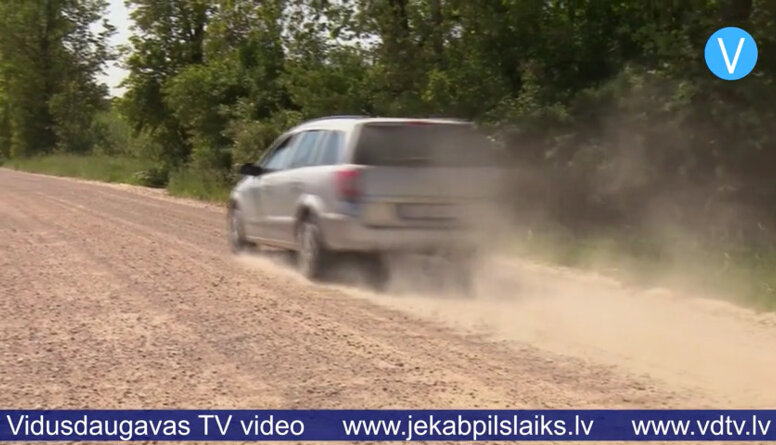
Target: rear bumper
345 233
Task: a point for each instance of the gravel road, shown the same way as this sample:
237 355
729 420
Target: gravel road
114 296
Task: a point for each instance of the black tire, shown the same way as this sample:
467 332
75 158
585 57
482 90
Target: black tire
462 271
377 272
463 281
311 252
236 231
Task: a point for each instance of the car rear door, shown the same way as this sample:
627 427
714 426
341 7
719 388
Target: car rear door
296 180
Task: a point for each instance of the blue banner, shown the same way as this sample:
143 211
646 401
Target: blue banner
387 425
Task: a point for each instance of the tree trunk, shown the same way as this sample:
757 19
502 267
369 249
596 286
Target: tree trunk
437 33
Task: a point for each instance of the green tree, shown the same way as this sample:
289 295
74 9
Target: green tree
168 37
581 90
52 51
198 66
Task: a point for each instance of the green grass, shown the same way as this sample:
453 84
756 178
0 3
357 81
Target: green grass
95 167
204 185
746 275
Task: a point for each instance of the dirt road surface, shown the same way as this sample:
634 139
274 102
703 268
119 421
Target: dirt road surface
113 296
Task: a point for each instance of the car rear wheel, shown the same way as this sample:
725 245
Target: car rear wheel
378 274
462 270
463 281
311 254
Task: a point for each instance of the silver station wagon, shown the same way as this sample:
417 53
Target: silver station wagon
368 187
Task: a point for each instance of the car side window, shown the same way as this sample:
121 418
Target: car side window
304 152
331 148
278 159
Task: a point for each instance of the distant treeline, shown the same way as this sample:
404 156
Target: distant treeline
607 107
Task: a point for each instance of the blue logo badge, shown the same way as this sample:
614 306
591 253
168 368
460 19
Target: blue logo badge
731 53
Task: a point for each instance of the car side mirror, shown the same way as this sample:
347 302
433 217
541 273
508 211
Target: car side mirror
251 170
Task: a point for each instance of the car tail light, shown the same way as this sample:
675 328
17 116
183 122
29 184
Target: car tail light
348 184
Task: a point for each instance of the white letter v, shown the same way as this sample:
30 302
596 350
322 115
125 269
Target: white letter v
730 67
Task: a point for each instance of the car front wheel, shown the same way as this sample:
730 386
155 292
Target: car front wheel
236 230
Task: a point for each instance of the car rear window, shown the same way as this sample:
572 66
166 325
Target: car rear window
423 144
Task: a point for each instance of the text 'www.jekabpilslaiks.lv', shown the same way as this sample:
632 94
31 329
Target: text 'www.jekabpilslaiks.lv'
492 427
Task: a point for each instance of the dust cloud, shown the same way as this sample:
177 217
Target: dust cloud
676 335
686 342
719 351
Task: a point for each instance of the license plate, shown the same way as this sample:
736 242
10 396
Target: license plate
426 211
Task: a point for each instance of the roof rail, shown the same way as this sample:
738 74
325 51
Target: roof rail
450 119
342 116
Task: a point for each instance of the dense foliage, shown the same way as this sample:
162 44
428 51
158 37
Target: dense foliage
607 106
50 54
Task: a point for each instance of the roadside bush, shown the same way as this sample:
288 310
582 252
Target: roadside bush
113 134
157 177
251 137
